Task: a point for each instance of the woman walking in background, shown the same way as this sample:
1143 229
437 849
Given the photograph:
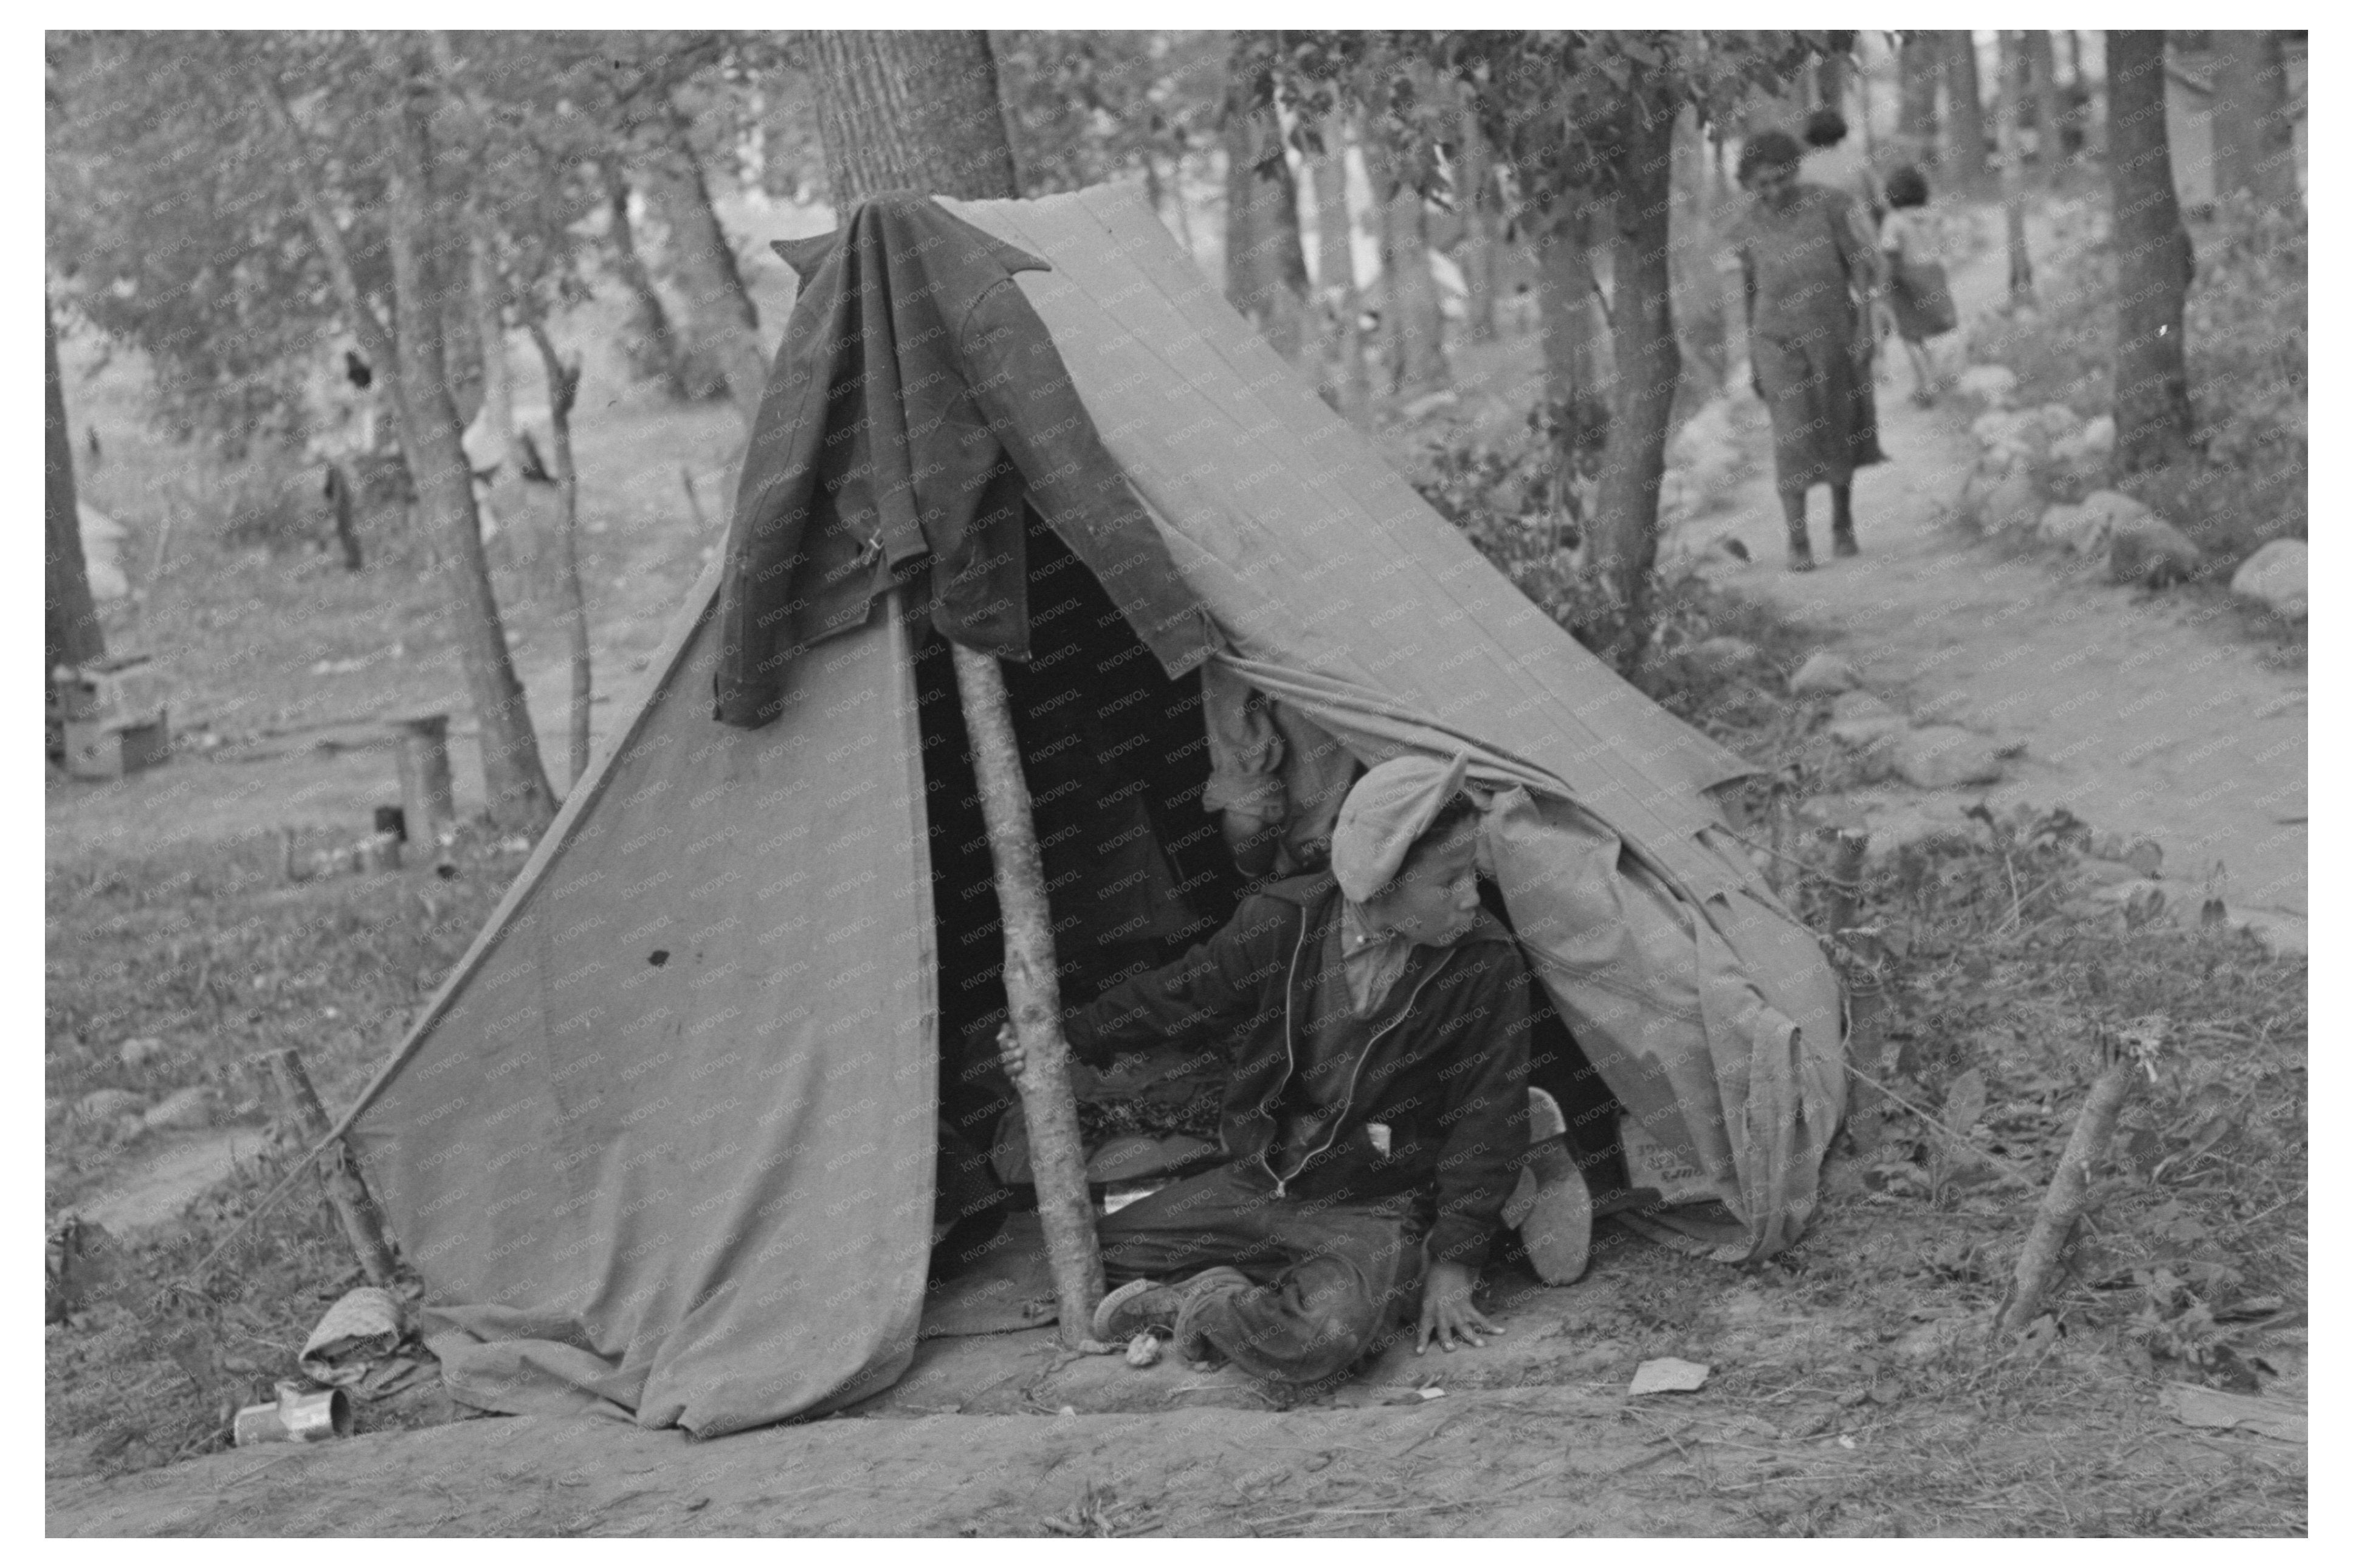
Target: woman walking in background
1918 297
1809 270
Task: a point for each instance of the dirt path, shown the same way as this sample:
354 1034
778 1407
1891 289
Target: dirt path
2143 714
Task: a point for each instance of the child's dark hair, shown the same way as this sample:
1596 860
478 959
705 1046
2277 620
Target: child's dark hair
1768 149
1451 815
1825 128
1907 187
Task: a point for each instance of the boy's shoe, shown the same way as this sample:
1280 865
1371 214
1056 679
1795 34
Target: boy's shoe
1210 1285
1143 1305
1555 1212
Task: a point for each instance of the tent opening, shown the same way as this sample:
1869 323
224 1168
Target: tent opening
1116 758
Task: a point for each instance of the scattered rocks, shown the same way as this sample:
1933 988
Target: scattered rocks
1991 383
1944 756
2275 577
106 1105
185 1109
1824 674
2150 552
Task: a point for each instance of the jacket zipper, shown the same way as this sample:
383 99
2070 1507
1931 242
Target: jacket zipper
1290 984
1341 1114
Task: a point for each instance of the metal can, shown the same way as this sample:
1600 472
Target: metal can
299 1415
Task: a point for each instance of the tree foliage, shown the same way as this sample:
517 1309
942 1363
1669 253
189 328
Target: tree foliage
1085 108
1564 108
168 229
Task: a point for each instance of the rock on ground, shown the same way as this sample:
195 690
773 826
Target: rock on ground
2003 498
1824 674
2152 553
187 1109
2094 441
2275 577
137 1053
1991 383
1944 756
103 1105
2089 527
1859 720
1722 654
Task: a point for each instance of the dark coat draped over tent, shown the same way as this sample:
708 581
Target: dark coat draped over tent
917 404
662 1144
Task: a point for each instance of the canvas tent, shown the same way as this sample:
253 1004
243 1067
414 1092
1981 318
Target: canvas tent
662 1144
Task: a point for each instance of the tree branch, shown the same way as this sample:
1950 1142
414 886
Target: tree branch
374 335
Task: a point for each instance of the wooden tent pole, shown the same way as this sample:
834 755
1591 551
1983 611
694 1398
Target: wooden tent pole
1033 993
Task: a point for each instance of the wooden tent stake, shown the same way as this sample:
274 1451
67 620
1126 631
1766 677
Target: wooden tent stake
2062 1205
346 1190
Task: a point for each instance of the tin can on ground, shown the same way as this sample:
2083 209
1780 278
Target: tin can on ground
297 1415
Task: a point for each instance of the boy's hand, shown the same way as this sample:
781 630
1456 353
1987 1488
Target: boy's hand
1447 1313
1009 1053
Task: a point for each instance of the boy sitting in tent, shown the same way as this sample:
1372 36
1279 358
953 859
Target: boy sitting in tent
1375 1021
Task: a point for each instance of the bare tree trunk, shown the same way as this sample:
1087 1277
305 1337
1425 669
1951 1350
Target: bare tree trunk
2276 173
1648 364
1474 200
2009 103
1266 269
1568 306
1409 307
339 498
2042 75
1965 151
2154 261
1183 210
1832 74
2237 115
70 632
1918 63
1345 386
509 496
921 111
513 775
720 322
432 449
1699 294
650 343
563 392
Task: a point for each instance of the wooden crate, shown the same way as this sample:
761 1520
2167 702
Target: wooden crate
116 748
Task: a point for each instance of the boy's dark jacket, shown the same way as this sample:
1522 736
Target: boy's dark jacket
1444 1068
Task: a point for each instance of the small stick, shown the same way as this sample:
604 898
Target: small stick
362 1225
686 478
1846 875
2062 1204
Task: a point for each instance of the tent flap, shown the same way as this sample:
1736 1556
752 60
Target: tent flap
641 1153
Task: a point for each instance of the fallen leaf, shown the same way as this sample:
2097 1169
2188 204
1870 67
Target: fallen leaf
1668 1376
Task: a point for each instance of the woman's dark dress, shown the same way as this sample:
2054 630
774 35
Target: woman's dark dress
1804 265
